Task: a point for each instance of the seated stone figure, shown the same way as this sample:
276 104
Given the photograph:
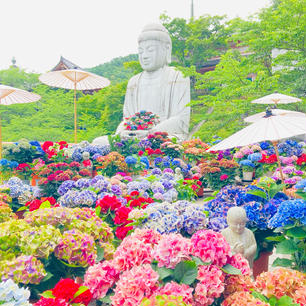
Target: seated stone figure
159 89
240 238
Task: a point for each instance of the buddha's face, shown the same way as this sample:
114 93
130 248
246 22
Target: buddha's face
237 224
152 55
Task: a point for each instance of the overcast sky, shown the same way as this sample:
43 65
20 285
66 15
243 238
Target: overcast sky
91 32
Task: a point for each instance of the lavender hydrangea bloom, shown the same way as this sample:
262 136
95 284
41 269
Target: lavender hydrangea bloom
115 189
85 197
96 179
144 143
96 155
65 186
217 224
82 183
156 171
67 199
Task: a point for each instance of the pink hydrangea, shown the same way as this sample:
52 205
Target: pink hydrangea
134 285
213 278
239 262
211 247
100 277
147 235
200 296
238 155
300 296
131 252
171 250
175 289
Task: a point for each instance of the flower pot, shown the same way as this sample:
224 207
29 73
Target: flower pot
261 264
200 192
247 176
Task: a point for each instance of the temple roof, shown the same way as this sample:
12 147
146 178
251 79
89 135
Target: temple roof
64 64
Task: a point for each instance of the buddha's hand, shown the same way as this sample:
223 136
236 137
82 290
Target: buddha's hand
238 248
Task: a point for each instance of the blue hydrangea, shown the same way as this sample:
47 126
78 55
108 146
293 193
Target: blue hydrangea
145 161
246 162
3 162
130 160
255 157
288 213
265 145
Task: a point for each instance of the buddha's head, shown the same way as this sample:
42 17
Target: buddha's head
85 155
154 47
237 219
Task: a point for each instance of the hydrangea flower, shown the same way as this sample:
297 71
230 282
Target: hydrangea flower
11 294
76 248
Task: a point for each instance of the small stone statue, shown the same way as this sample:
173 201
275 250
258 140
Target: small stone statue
240 238
86 163
178 174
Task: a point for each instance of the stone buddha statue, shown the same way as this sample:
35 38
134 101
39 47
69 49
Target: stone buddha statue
240 238
159 89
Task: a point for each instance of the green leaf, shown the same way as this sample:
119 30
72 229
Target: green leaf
208 199
275 238
106 299
258 193
81 290
283 262
45 204
296 232
185 272
22 208
100 253
199 261
286 247
273 301
47 277
48 294
285 301
259 296
164 272
69 265
229 269
98 210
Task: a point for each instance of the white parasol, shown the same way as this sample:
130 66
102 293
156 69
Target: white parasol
276 98
275 112
272 128
74 79
10 95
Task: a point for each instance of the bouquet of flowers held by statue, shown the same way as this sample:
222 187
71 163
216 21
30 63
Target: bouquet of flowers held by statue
142 120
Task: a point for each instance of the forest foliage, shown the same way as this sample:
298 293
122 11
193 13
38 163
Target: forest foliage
257 56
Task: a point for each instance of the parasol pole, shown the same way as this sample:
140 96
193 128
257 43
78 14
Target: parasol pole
278 161
1 178
75 110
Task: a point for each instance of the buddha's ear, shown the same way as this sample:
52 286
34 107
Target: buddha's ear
168 53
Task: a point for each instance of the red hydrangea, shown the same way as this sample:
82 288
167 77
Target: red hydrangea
108 202
65 289
122 231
